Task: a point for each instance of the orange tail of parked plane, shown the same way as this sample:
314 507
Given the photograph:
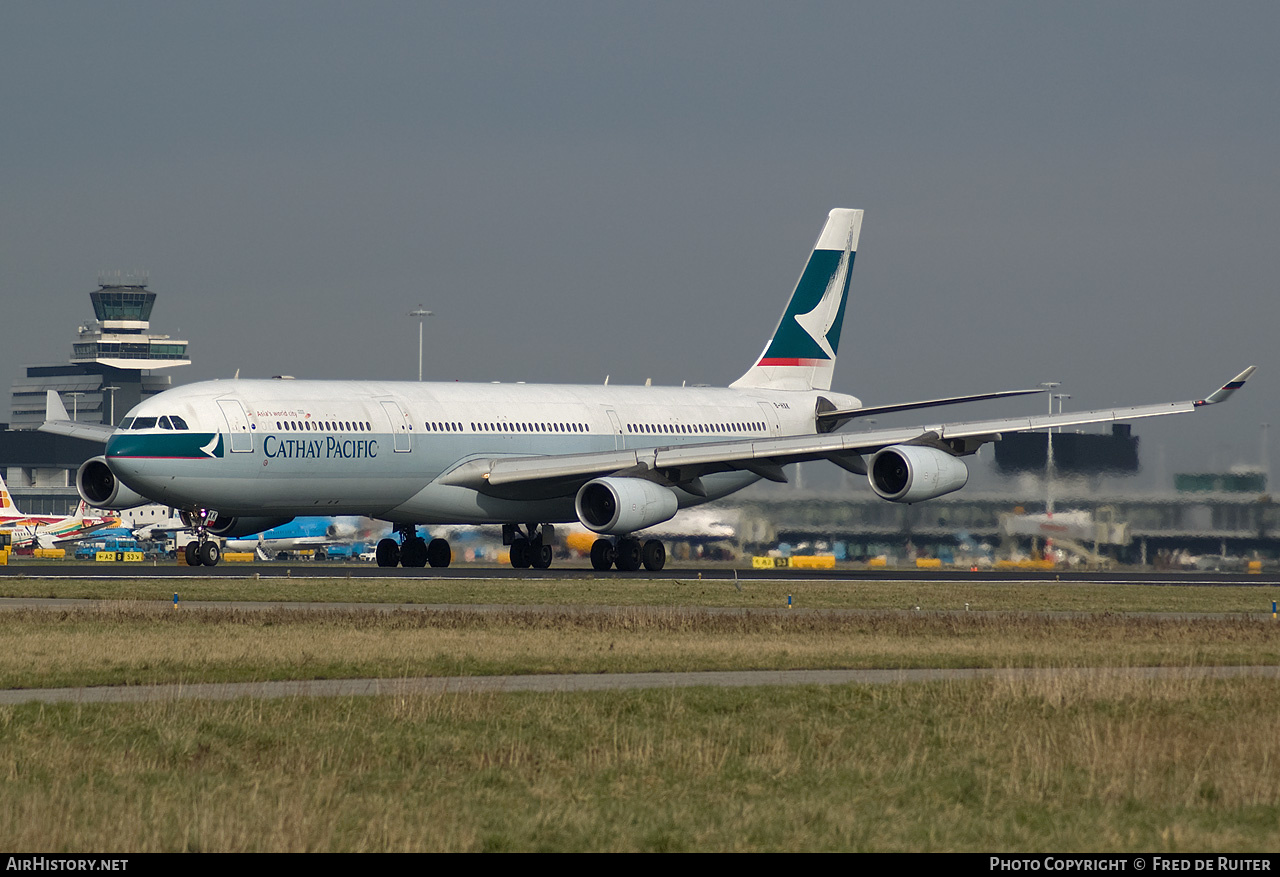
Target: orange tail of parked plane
45 530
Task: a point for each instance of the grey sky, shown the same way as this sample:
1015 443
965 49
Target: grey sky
1076 192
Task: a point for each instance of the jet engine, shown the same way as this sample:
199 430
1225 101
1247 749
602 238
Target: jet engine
912 473
100 488
618 506
238 528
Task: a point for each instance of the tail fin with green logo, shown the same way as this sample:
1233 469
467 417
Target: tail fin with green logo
801 355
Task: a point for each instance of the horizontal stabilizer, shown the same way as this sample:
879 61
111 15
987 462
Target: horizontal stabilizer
93 432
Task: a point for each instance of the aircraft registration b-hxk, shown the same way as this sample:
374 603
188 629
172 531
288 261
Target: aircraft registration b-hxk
243 456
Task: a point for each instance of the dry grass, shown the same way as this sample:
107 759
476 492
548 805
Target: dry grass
1049 764
121 643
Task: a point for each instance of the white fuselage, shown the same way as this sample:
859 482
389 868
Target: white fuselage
287 447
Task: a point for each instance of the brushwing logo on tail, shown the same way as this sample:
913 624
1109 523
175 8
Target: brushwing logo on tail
818 322
812 336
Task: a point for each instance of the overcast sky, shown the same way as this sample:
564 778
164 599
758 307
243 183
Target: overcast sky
1077 192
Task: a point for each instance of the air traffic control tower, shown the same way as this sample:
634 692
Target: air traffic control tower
113 362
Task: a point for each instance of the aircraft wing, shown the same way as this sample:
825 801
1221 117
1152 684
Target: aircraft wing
839 415
57 422
683 465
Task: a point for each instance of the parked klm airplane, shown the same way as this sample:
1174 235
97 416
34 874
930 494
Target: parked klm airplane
308 534
245 456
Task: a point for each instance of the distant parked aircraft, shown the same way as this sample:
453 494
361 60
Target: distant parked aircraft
309 534
47 531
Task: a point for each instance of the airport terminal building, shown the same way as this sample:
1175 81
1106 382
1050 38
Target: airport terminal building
116 362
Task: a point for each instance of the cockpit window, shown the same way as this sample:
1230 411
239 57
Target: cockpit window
164 423
178 422
126 423
144 423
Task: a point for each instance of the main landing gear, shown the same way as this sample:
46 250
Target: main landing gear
530 545
413 550
627 554
204 550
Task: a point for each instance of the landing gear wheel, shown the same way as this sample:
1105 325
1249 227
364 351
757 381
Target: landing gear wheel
540 555
210 553
628 559
413 553
192 553
602 554
387 553
321 554
654 555
439 553
520 554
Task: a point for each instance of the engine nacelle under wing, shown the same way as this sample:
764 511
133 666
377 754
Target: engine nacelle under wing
913 473
100 488
238 528
618 506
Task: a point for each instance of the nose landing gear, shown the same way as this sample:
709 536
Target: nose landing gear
204 550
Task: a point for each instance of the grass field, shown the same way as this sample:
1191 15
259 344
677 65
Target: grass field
132 644
1056 764
620 591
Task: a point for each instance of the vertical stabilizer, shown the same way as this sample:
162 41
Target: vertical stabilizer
801 355
7 508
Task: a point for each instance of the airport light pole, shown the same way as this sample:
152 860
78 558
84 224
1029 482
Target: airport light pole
1061 397
1265 457
421 314
1048 455
75 404
112 390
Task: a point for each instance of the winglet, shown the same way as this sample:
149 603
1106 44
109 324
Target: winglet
1228 388
53 407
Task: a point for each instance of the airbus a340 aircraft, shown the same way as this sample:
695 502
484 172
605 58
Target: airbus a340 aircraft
244 456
